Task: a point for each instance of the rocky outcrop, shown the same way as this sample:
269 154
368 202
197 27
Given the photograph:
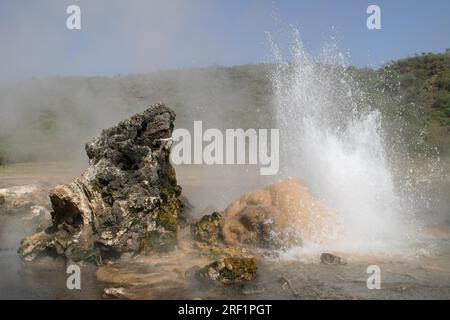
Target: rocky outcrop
126 201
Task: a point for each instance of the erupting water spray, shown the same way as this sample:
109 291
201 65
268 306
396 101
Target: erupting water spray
333 140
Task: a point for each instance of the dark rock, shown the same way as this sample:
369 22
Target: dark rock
186 211
257 220
191 273
126 201
208 229
328 258
232 270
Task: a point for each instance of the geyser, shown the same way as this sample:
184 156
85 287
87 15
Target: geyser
333 140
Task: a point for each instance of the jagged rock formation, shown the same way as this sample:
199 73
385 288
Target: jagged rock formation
126 201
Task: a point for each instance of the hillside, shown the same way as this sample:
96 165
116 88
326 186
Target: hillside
425 95
50 119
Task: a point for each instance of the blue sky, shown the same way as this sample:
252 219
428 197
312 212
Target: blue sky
139 36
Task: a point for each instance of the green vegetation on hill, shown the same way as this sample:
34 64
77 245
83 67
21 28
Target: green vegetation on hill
424 96
413 96
426 79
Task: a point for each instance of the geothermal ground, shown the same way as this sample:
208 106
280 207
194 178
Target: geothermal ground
420 271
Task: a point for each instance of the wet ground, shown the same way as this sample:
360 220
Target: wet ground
424 278
423 272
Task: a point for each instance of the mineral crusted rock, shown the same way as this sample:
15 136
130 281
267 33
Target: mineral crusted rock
126 201
282 215
233 270
221 250
115 293
208 229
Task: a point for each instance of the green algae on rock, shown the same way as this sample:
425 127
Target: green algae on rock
208 229
232 270
126 201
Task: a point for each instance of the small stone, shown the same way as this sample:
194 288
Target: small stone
191 273
115 293
328 258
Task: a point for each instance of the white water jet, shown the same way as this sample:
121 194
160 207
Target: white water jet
334 142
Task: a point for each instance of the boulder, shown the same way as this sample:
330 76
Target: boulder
208 229
231 270
126 201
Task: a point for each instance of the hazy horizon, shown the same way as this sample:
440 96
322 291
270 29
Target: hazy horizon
148 36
